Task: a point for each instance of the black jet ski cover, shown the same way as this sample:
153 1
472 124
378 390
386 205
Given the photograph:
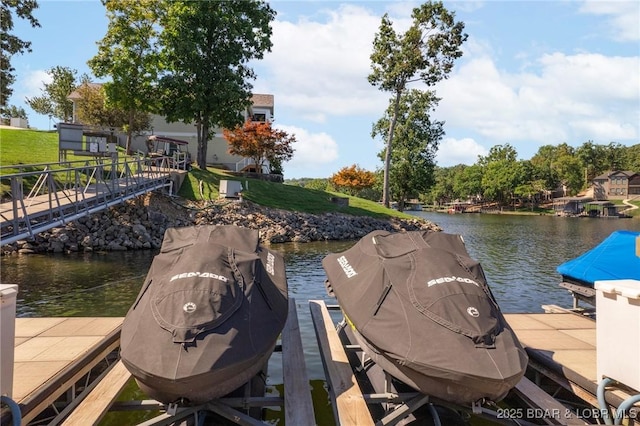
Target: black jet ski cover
420 306
208 315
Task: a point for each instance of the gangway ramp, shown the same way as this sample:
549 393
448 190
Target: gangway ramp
45 196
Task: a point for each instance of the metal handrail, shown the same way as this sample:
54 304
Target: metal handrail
242 164
62 194
247 162
39 183
42 166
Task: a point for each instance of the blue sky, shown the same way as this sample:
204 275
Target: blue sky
533 73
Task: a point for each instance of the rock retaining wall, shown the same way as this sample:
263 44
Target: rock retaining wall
141 223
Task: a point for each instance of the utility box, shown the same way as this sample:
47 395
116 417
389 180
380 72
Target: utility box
19 122
230 188
70 136
8 293
618 331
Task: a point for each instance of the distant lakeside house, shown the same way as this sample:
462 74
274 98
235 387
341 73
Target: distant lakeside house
611 185
262 109
616 185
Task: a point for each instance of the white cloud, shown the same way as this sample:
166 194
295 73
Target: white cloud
33 82
591 76
401 9
463 151
469 5
312 150
321 67
605 129
479 98
566 98
623 17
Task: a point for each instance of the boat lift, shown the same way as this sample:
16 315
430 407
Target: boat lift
363 394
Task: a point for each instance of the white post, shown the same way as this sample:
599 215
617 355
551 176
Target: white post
8 293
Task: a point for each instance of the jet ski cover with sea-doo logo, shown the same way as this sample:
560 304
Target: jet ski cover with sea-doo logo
208 314
421 308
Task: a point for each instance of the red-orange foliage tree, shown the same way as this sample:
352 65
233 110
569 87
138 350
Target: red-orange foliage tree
353 179
259 141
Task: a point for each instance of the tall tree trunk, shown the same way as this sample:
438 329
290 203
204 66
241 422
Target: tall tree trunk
203 130
387 154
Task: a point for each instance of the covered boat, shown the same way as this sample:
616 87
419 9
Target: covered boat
208 315
616 257
420 307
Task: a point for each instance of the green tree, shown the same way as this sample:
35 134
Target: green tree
94 109
425 52
54 100
90 107
13 111
501 173
498 180
207 48
525 190
633 158
570 172
318 183
41 105
130 55
559 165
442 190
11 44
593 158
468 182
499 152
614 156
542 163
414 146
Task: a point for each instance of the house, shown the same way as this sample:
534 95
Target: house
616 185
218 155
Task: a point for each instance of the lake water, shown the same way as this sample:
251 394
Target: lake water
518 253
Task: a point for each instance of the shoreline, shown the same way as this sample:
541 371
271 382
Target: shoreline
140 225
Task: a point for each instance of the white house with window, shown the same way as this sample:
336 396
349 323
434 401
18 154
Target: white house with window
218 155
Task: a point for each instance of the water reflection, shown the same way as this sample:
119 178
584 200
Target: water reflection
91 284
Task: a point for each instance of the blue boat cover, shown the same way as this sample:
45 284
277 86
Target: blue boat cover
615 258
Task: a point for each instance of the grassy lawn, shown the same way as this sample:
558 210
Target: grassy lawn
205 184
27 147
32 147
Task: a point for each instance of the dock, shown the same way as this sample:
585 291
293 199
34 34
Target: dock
67 371
562 351
55 357
562 355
